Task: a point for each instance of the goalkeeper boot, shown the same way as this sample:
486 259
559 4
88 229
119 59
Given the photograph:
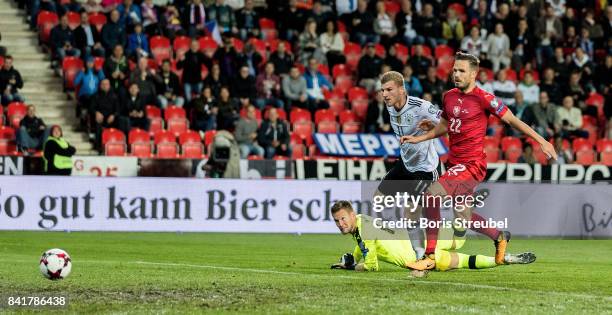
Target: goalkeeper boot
522 258
500 246
427 262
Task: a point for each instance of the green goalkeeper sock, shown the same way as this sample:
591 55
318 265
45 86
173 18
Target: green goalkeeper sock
452 260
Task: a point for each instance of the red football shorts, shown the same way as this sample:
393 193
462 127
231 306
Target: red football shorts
462 178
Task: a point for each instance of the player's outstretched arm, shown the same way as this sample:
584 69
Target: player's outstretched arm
518 124
439 130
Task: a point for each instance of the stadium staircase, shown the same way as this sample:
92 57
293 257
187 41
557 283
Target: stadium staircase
41 87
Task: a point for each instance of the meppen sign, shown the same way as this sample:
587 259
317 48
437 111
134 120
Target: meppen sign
363 145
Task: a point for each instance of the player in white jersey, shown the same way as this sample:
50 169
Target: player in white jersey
418 165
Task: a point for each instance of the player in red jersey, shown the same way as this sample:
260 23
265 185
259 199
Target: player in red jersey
464 117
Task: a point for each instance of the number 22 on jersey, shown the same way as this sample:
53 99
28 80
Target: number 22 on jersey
455 123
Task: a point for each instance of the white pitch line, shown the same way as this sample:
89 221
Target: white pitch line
457 284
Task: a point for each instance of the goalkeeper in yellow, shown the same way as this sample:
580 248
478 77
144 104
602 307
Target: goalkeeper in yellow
399 252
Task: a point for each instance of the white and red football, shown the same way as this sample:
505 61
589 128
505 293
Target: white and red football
55 264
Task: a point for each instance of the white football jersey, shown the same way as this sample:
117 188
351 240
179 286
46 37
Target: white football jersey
421 156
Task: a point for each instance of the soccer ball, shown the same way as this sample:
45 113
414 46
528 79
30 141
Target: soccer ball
55 264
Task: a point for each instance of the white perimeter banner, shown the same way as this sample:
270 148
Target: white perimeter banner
104 166
275 206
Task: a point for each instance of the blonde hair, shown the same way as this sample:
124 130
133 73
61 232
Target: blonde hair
393 76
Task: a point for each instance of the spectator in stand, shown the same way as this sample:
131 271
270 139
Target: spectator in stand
227 111
273 135
87 38
332 45
452 29
523 111
589 23
504 89
116 69
130 14
606 23
319 15
246 135
2 48
291 22
522 45
434 86
529 89
561 65
564 155
113 32
105 108
132 113
247 20
550 86
315 83
243 87
384 26
571 39
87 81
392 61
550 30
205 110
268 87
145 78
10 82
484 15
405 21
282 59
602 78
545 114
150 18
581 62
62 40
569 120
36 6
215 81
429 25
575 89
228 59
368 68
168 87
377 117
411 83
224 16
138 44
57 155
309 45
194 19
32 132
345 7
251 58
484 83
93 6
173 22
419 62
110 5
294 89
527 156
474 43
498 50
191 63
362 24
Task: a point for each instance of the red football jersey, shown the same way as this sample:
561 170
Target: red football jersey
467 115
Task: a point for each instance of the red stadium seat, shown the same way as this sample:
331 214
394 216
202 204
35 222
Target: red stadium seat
347 116
336 106
208 45
74 19
380 50
98 63
272 44
360 108
164 136
298 151
445 67
534 73
511 142
492 154
589 121
155 124
606 158
357 92
71 67
585 157
341 69
491 142
167 150
324 69
426 51
539 155
324 115
327 126
112 135
490 73
604 145
444 51
174 112
141 149
7 140
295 139
512 154
303 129
209 136
115 149
1 61
265 23
352 52
189 136
595 99
392 8
298 114
581 144
15 111
401 52
351 127
181 45
45 21
511 75
260 47
98 20
343 84
192 150
459 9
178 125
138 135
160 47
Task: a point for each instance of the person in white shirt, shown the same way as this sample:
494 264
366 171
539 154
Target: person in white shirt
569 120
530 90
332 45
498 45
504 89
484 83
384 25
473 43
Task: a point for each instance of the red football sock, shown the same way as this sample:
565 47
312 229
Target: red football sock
432 213
490 232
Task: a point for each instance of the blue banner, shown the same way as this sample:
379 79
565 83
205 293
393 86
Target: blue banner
364 144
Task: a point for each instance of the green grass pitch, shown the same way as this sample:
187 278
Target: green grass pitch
280 273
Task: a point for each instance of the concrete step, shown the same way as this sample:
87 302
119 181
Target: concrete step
16 50
21 26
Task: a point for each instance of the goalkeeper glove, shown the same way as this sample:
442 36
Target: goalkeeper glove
347 261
